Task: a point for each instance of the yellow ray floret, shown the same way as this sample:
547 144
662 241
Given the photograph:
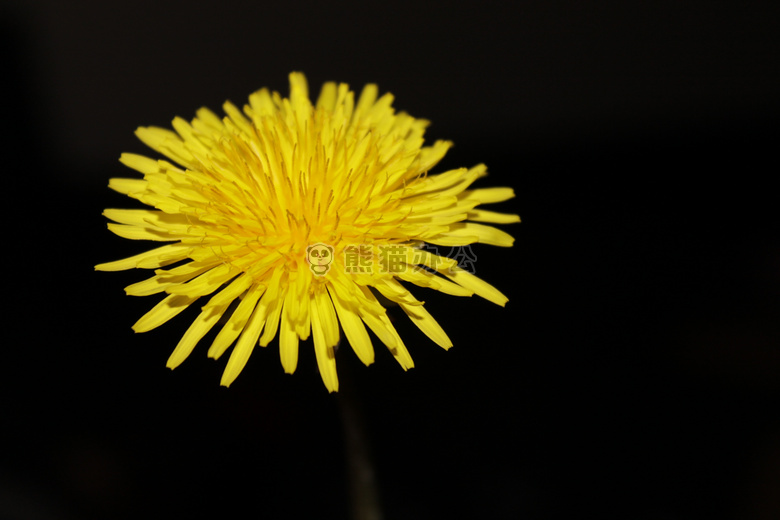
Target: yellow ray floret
291 217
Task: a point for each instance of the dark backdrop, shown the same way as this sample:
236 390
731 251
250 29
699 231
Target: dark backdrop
634 374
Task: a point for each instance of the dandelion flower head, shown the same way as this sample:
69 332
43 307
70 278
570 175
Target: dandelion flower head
289 218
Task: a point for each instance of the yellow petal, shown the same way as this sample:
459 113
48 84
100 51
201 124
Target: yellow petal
272 321
139 163
481 215
235 289
163 311
150 259
327 315
423 278
165 142
381 326
165 279
436 182
426 323
327 98
260 105
137 233
208 120
325 353
288 339
244 346
367 98
488 195
156 220
468 230
271 305
396 292
202 324
236 323
127 186
299 95
477 285
207 282
237 117
353 328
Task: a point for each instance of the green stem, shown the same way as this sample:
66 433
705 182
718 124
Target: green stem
363 489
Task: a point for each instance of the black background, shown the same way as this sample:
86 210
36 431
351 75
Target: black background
634 373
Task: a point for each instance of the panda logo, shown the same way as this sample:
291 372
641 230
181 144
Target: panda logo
319 256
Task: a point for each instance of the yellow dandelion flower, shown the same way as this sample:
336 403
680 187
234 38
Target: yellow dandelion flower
301 214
